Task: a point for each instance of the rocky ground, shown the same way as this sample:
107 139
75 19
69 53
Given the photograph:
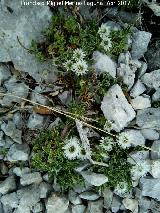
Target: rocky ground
25 190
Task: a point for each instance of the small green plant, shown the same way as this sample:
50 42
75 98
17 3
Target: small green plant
49 157
3 151
156 104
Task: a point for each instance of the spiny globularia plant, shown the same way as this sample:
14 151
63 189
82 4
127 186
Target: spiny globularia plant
60 151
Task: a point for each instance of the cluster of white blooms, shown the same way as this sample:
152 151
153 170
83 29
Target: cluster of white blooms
104 32
121 189
123 140
106 143
77 64
108 126
140 170
73 150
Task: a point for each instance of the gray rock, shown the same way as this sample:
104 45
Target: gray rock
140 43
8 141
37 121
155 154
141 102
108 196
89 195
23 209
18 152
137 89
37 208
150 187
156 95
32 20
30 178
65 97
17 89
142 69
78 209
45 189
17 120
54 123
131 204
93 178
29 196
116 108
21 171
4 74
155 206
74 198
57 204
135 137
153 56
3 168
155 168
7 209
11 131
148 118
127 74
10 200
95 206
1 208
138 156
152 79
150 134
8 185
2 141
104 64
144 204
116 203
39 98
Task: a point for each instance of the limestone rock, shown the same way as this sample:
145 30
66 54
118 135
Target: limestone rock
30 178
104 64
116 108
140 43
8 185
152 79
18 152
137 89
141 102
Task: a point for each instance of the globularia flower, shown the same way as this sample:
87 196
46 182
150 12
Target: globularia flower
123 140
140 170
72 148
68 65
82 154
80 67
121 189
78 54
106 143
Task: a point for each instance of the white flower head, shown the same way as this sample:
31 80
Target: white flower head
78 54
121 189
106 44
104 31
68 65
106 143
80 67
123 140
140 170
82 154
108 126
72 148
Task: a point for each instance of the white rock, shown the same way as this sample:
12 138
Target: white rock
116 203
140 43
152 79
45 189
155 154
156 95
148 118
135 137
138 156
104 64
93 178
150 187
8 185
10 200
18 152
78 209
116 108
57 204
137 89
108 196
150 134
155 168
19 172
141 102
37 121
131 204
142 69
89 195
95 206
29 178
74 198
